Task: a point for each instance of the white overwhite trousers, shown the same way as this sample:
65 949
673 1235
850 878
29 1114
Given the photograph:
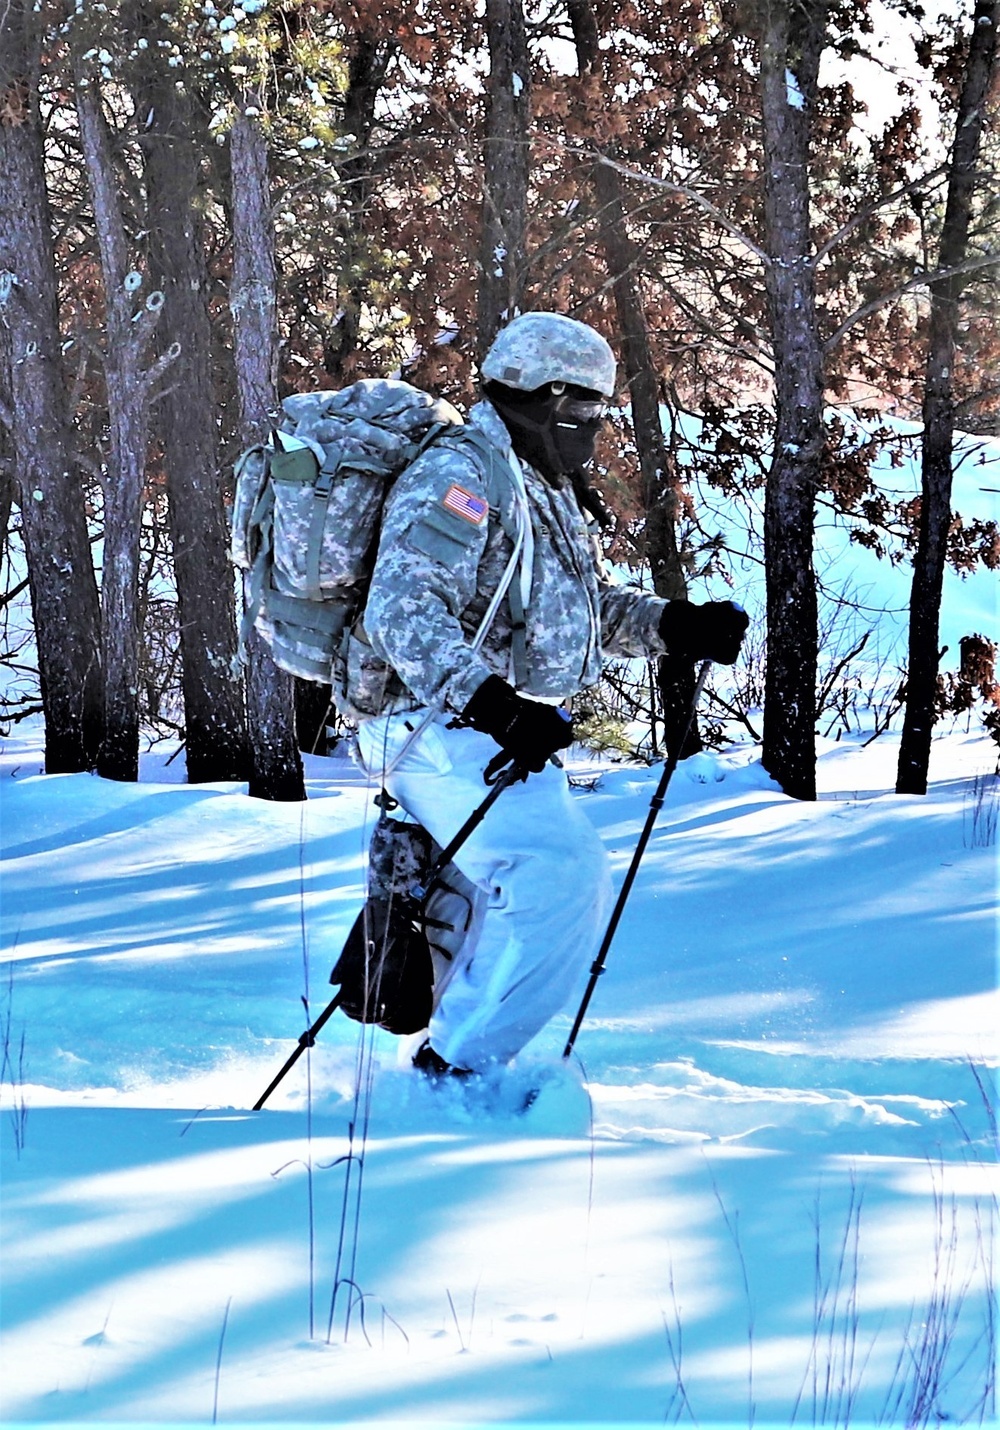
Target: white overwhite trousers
542 873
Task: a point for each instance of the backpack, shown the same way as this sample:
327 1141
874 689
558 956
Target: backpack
307 509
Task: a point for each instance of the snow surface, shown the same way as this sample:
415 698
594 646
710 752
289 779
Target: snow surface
763 1193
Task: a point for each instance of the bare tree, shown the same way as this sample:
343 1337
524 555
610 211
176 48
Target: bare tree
275 762
506 162
366 74
173 142
939 408
657 467
791 38
63 588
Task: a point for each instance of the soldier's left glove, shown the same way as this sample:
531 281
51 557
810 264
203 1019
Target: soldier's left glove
713 631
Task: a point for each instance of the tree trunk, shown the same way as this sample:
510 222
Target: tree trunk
939 412
313 711
366 70
791 41
506 158
215 734
675 679
63 588
7 488
275 762
129 328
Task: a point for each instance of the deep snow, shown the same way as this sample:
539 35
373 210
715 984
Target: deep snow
764 1192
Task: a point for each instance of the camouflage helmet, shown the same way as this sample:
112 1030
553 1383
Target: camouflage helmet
539 348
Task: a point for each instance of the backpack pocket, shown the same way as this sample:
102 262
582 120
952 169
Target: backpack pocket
250 474
325 521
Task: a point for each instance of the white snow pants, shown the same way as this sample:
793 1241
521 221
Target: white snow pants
541 869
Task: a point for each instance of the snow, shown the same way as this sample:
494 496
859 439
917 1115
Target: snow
793 94
764 1189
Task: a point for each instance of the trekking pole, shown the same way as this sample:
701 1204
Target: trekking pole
655 805
306 1040
502 781
507 777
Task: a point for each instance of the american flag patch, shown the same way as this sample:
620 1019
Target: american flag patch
466 505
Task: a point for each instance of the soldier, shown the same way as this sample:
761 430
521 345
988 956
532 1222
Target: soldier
449 683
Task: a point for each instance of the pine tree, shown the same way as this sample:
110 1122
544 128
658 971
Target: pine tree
939 407
174 140
63 588
276 765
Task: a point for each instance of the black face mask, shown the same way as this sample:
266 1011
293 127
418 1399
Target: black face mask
575 441
556 433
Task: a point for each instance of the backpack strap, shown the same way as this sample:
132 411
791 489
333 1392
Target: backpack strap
322 487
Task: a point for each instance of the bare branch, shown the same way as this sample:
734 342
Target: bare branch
711 329
837 671
7 596
683 191
736 712
14 713
144 324
870 210
76 391
919 280
156 370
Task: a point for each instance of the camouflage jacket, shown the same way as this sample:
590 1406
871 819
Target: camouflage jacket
442 554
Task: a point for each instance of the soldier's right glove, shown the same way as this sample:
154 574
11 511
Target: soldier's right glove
713 631
526 730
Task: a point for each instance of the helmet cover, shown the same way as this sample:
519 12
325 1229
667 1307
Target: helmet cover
538 348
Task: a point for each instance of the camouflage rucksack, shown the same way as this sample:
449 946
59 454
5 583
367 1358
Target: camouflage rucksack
307 510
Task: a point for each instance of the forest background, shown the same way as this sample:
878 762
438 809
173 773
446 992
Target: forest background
207 207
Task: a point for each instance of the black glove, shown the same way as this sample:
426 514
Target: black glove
526 730
713 631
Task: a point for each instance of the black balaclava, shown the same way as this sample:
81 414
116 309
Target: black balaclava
555 442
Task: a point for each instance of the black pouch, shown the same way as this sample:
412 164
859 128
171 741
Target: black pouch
385 971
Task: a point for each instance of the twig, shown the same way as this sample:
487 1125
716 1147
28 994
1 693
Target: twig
682 191
218 1361
310 1199
732 1225
454 1317
836 672
675 1349
919 280
870 210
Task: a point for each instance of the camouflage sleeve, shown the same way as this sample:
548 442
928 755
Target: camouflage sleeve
630 620
434 532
